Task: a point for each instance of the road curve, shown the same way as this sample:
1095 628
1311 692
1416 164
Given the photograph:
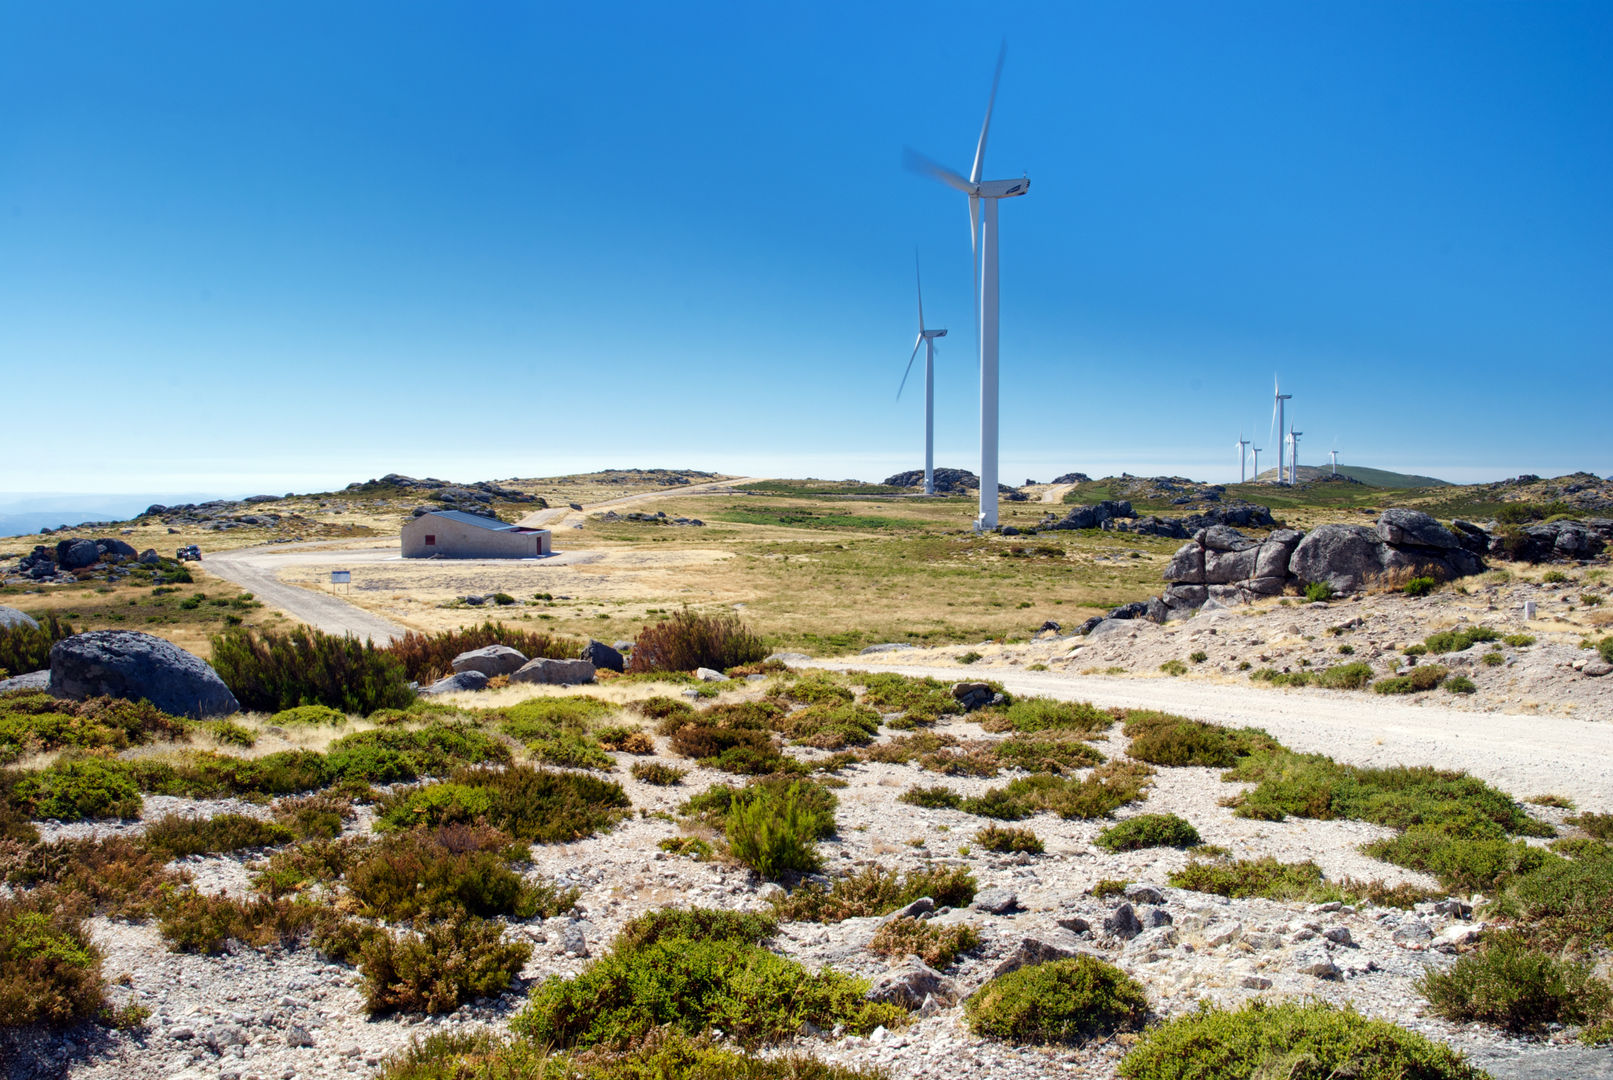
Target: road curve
555 515
1524 755
1056 493
253 569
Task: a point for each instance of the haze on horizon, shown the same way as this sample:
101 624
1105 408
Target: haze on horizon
273 249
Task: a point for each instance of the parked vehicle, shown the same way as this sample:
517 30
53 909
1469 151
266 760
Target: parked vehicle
189 553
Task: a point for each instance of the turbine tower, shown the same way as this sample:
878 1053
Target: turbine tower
1277 415
926 338
1256 450
1293 456
983 243
1335 455
1243 459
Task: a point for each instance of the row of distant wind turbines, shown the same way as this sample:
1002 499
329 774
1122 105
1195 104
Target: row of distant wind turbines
1291 437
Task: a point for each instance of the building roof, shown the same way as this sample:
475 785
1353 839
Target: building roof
490 524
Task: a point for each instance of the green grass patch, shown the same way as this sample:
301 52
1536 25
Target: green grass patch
1148 831
1245 878
1062 1001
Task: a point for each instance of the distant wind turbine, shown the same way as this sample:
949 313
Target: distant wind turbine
926 338
1293 456
1256 450
983 243
1335 456
1243 458
1277 416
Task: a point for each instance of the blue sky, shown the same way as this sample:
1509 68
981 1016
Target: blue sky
279 247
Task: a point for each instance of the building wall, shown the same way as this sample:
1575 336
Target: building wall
456 540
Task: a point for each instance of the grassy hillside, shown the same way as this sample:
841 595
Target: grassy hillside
1379 478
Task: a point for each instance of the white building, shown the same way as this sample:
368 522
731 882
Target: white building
453 534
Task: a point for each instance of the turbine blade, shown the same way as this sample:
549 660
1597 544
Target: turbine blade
909 370
930 167
919 284
991 103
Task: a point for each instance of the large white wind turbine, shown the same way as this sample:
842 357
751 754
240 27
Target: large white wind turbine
983 243
1277 417
926 338
1243 458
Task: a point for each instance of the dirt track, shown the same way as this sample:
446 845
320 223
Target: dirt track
1523 755
253 569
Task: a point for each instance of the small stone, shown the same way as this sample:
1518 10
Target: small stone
706 674
1123 923
1339 935
1144 894
1317 963
916 910
1254 982
1152 916
995 901
297 1035
1075 924
1222 934
1413 931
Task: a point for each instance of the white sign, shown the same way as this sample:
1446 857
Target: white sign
341 577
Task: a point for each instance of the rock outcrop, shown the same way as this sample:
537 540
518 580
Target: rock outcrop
555 672
135 666
490 660
10 617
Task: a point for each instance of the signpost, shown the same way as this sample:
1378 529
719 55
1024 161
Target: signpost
341 577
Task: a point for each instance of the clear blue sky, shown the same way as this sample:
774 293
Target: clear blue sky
278 246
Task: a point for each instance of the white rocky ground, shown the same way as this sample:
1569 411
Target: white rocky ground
281 1015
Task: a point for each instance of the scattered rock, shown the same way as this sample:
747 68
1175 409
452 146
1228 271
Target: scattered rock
10 617
32 680
1144 894
554 672
490 660
1034 950
706 674
131 665
1123 923
463 680
996 901
603 657
1315 962
911 985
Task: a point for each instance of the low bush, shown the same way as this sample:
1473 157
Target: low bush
1148 831
1351 676
195 922
1449 641
1045 714
832 726
932 798
774 830
1062 1001
33 722
308 716
1565 902
687 640
744 751
50 970
695 924
1510 983
390 756
875 890
970 657
819 688
440 968
692 846
654 772
1103 790
1107 887
1173 668
73 789
1162 739
429 657
714 805
115 875
1318 591
1460 684
1464 856
996 838
319 816
1604 649
175 837
691 985
1244 878
1420 586
450 870
1054 752
1310 1040
935 943
663 708
1519 641
25 648
921 700
1596 825
1492 659
269 671
622 739
1417 681
531 804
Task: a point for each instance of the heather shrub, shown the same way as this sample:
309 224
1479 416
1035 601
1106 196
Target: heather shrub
429 657
440 968
1419 680
195 922
175 837
1146 831
832 726
1046 714
1061 1001
1244 878
308 716
34 721
774 829
1162 739
27 648
531 804
1512 984
115 875
452 869
875 890
269 671
73 789
935 943
50 971
686 640
654 772
996 838
921 700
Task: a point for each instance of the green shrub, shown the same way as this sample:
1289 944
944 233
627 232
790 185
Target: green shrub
1282 678
1565 902
1162 739
1102 791
176 837
1464 855
820 688
687 640
392 755
714 805
1554 577
934 943
663 708
308 715
1513 985
73 789
429 657
1604 648
1598 825
932 798
1449 641
1420 586
1419 680
875 890
530 804
970 657
1062 1001
269 671
1244 878
1107 887
115 875
1519 641
1318 591
832 726
34 721
50 970
654 772
1199 656
439 969
1352 676
446 871
194 922
1148 831
996 838
695 924
922 700
1295 1040
319 816
663 1055
25 648
692 846
1415 650
1173 668
774 830
1033 715
1492 659
692 985
1460 684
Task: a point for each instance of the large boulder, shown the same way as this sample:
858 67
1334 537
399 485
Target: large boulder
77 554
31 680
135 666
468 679
910 984
1343 556
1414 528
603 656
555 672
10 618
1095 516
1187 565
111 545
490 660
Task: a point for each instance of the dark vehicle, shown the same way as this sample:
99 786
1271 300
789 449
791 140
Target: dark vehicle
189 553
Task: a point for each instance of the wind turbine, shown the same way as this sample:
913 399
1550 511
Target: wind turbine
1256 449
1277 415
983 243
1243 458
926 338
1293 456
1334 454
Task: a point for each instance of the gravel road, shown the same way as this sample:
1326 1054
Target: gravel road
1524 755
253 569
